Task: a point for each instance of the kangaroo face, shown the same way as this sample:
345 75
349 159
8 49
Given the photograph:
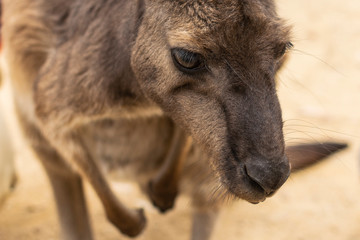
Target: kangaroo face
210 65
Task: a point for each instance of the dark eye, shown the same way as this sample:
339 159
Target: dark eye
186 61
281 49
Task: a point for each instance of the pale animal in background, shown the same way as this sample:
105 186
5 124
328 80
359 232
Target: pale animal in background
7 168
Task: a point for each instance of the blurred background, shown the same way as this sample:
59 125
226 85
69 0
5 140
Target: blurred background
319 91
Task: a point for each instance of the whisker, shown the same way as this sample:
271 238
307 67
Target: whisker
319 59
310 132
293 77
324 130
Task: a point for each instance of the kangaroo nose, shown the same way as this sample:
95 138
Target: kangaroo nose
269 175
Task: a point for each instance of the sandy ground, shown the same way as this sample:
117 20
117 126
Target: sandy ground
320 94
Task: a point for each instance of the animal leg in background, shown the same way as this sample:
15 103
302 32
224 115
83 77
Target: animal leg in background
204 220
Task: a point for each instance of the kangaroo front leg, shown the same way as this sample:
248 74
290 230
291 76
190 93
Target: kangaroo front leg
129 222
163 188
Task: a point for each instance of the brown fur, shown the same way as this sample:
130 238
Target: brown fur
92 78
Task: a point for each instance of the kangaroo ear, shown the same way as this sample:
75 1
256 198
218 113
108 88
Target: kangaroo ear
302 156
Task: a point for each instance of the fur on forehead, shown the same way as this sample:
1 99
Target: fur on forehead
198 21
212 13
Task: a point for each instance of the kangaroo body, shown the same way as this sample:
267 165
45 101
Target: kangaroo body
107 84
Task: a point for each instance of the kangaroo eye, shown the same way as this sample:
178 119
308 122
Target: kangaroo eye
186 61
281 49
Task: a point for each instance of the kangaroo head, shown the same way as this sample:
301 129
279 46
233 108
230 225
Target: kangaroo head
210 65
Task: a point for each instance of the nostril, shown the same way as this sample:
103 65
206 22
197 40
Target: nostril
254 181
271 193
269 182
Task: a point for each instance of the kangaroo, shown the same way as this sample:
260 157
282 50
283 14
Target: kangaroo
160 89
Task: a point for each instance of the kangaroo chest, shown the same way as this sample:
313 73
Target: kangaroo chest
136 146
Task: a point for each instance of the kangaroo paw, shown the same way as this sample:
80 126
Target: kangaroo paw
162 197
134 224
